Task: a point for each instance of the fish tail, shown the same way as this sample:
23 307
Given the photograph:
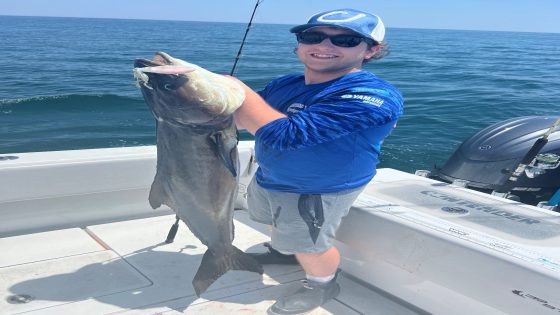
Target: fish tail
213 267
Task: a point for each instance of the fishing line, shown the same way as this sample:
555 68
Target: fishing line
245 37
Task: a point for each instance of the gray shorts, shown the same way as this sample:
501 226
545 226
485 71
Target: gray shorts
301 223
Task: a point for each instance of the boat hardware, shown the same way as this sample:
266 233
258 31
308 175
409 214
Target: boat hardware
423 173
19 299
542 163
528 159
460 183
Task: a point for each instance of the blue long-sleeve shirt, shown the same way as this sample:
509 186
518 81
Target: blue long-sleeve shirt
332 136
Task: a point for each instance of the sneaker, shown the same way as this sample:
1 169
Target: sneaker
306 298
273 256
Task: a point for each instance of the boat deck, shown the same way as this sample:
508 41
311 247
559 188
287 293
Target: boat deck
125 267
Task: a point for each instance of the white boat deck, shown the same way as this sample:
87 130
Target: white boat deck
125 267
77 236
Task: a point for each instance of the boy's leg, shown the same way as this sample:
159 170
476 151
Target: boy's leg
306 225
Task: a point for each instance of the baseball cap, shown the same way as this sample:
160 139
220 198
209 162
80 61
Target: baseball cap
365 24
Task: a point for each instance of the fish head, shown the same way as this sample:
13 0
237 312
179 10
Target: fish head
185 93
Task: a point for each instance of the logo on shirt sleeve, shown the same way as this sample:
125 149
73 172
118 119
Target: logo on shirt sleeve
295 108
365 98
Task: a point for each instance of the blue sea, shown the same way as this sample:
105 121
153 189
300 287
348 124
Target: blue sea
67 82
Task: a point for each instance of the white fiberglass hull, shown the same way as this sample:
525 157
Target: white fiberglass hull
79 221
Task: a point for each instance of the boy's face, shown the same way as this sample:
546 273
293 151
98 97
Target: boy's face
327 58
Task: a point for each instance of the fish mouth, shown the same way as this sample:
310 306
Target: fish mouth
140 63
162 67
160 59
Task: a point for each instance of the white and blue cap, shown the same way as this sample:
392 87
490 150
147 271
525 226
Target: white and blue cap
366 24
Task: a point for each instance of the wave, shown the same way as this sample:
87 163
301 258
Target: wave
67 101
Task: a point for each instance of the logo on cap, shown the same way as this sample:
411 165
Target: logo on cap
323 18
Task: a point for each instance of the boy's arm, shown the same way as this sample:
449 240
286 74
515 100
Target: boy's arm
254 112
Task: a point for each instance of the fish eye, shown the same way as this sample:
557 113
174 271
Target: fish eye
172 83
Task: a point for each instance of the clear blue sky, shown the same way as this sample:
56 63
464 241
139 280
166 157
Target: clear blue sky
501 15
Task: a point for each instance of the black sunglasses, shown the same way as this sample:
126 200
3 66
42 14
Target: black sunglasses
341 40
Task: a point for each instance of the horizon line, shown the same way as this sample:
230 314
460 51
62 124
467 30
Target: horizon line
269 23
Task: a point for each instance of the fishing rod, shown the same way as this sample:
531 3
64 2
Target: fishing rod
245 37
525 161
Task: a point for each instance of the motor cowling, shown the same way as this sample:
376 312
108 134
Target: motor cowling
487 159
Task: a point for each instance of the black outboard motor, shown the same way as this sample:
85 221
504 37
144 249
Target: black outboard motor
486 160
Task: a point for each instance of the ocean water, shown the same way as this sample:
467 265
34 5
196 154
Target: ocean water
67 82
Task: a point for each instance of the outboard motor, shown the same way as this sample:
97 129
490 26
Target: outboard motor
485 161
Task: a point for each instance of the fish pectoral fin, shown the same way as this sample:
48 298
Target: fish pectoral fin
213 267
157 194
227 150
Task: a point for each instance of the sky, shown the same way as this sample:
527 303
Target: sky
493 15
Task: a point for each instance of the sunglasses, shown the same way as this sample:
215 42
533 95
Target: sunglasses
341 40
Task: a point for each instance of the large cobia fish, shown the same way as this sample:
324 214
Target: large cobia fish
197 159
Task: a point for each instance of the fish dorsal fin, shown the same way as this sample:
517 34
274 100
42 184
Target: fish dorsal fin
226 146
